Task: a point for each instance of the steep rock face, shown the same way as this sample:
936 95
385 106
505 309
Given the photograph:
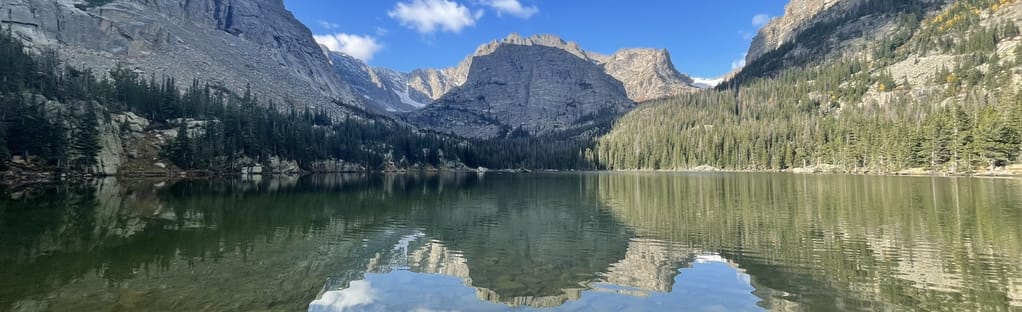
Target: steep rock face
230 42
816 31
536 89
647 74
380 88
432 84
429 85
797 14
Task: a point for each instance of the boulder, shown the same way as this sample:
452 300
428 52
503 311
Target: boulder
131 122
280 166
335 165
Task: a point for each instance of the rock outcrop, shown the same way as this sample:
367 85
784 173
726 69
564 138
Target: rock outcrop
520 88
814 31
832 28
432 84
233 43
797 14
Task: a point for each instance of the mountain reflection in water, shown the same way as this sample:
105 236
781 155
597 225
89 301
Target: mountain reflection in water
531 242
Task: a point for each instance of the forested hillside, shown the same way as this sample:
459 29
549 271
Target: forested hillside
940 95
49 117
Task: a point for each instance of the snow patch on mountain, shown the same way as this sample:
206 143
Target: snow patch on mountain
706 83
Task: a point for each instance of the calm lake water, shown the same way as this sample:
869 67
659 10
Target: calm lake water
497 242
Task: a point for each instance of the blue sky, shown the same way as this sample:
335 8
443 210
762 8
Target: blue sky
705 38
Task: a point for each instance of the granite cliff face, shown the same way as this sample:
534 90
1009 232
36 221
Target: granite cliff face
229 42
797 14
536 89
427 85
815 31
833 25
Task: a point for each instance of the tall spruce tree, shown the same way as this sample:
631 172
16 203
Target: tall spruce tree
180 151
85 143
5 154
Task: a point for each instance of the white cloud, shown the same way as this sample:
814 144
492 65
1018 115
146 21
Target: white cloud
360 47
430 16
739 63
358 293
329 25
380 31
760 20
513 7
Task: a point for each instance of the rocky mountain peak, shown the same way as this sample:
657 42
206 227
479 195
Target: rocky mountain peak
647 74
537 90
546 40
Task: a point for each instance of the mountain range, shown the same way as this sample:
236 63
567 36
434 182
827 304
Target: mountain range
646 74
259 45
822 62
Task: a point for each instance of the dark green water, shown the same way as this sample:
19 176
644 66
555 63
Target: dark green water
578 242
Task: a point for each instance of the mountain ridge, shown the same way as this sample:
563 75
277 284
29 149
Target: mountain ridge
646 73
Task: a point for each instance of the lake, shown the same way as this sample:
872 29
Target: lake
531 242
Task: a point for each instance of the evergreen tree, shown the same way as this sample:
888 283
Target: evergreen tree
180 151
5 154
85 142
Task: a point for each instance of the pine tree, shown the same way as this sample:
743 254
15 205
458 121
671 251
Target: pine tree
5 154
180 151
85 143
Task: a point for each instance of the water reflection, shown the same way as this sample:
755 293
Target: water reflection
694 283
843 242
531 242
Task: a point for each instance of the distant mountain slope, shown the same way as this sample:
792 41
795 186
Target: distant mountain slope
816 31
645 73
869 86
383 89
256 43
537 90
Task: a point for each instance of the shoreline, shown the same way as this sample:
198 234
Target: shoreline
1008 174
37 177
